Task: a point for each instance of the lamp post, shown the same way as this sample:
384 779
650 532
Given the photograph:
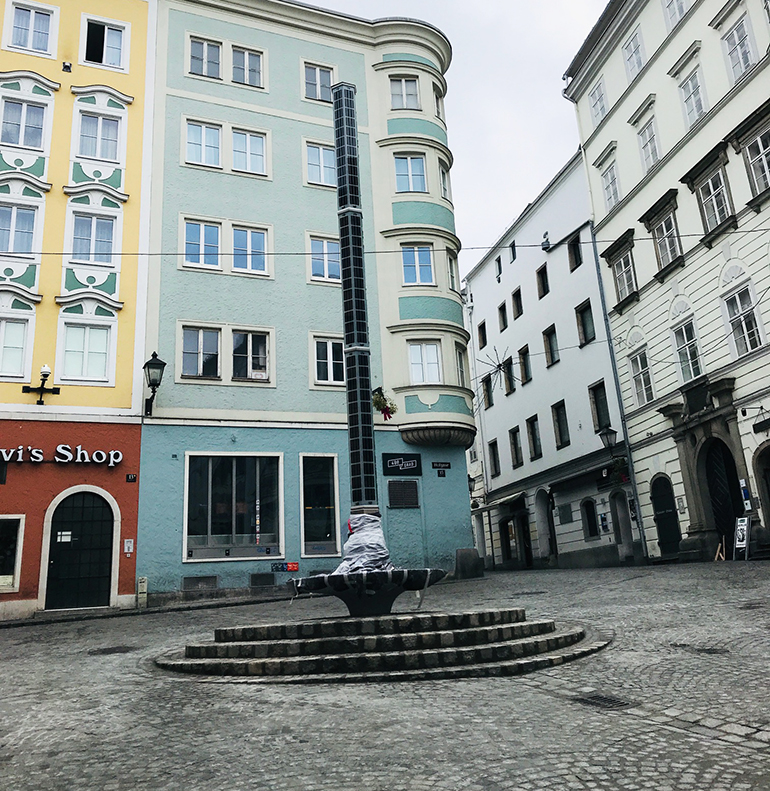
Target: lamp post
153 372
45 372
609 437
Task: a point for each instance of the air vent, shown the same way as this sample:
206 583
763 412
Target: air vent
403 494
199 583
261 580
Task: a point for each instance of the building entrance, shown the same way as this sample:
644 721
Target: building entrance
724 491
666 519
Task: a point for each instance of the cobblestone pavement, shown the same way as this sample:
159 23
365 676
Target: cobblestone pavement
83 707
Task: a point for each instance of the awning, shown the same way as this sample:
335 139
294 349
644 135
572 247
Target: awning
495 503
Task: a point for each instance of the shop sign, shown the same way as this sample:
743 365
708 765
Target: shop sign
64 454
401 464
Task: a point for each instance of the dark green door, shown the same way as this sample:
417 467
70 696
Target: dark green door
666 519
80 556
724 492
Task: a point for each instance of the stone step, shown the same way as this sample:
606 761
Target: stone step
380 643
379 664
388 624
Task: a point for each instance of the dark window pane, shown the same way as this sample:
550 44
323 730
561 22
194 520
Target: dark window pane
221 496
319 504
198 496
95 42
246 497
268 505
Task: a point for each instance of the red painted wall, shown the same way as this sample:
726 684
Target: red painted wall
31 486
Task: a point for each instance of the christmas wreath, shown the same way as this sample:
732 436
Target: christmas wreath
384 405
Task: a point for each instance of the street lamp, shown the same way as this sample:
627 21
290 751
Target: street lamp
153 372
609 437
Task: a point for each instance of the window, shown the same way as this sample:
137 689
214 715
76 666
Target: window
714 200
524 365
482 333
439 102
410 174
329 362
104 44
542 281
201 243
462 366
675 10
31 29
92 238
667 244
319 505
551 346
574 253
738 47
200 352
590 523
417 265
610 186
250 356
202 144
625 277
494 459
403 93
533 435
321 165
205 58
687 351
509 380
641 377
324 259
633 55
514 439
403 494
649 145
518 307
598 100
318 83
22 124
13 336
487 388
249 250
692 96
758 157
498 268
600 409
99 137
233 506
512 248
424 363
743 321
560 425
249 152
453 274
247 67
17 228
502 316
446 191
86 351
585 323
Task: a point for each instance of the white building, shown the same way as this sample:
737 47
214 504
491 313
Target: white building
545 388
674 117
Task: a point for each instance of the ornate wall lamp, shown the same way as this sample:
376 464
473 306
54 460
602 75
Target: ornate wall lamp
153 372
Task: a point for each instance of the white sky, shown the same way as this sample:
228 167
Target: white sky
510 129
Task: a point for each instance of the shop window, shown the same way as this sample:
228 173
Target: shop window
319 505
10 544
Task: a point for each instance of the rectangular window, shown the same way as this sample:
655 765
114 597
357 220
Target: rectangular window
649 145
424 363
201 243
446 191
641 377
249 152
462 366
560 425
610 186
692 96
92 238
482 333
410 174
687 351
13 336
249 250
575 253
17 229
509 380
524 366
743 321
666 238
518 307
758 157
738 47
250 360
104 44
247 67
542 281
514 439
329 362
319 505
585 323
533 435
204 58
494 459
417 265
453 273
488 390
600 409
200 352
318 83
203 144
598 101
403 93
551 345
675 10
325 259
625 278
321 165
86 351
99 137
439 102
714 200
233 506
502 316
633 55
22 124
31 29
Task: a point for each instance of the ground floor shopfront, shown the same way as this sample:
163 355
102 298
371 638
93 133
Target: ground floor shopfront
68 509
227 508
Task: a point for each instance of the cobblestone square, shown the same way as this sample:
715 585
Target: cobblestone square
83 707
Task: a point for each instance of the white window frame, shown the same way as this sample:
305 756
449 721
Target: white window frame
740 320
438 98
762 159
624 275
745 46
423 362
711 200
668 245
318 68
16 581
205 127
329 147
416 247
325 240
125 45
687 346
250 133
611 186
25 103
336 474
404 95
27 318
248 270
53 30
207 42
101 117
329 339
453 273
648 145
446 184
411 176
461 362
202 222
248 51
597 99
641 377
674 11
633 54
89 322
252 376
694 93
15 205
200 328
76 210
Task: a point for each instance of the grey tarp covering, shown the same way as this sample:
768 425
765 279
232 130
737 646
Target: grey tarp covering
365 548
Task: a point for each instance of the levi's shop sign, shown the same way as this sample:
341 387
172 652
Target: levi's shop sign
64 454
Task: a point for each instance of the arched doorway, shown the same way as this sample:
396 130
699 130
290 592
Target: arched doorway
762 472
665 516
525 540
505 527
546 530
621 523
80 553
724 491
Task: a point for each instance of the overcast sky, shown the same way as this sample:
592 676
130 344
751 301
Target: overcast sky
510 129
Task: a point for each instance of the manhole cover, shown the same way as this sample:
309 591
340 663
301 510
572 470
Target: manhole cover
113 649
602 701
